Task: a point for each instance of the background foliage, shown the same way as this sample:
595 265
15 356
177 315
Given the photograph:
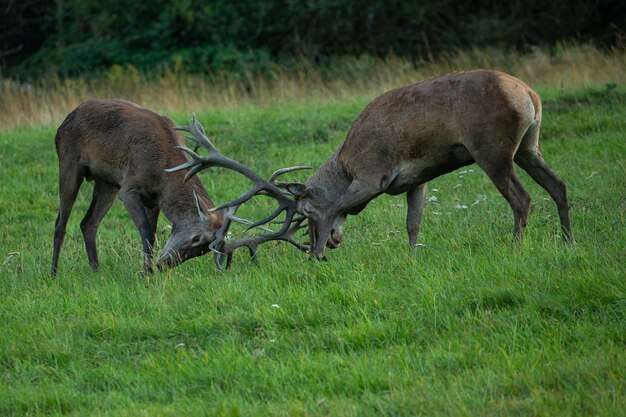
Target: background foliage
79 37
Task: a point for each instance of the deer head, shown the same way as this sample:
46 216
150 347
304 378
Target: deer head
287 206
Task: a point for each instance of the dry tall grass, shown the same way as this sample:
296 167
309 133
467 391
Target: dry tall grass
47 103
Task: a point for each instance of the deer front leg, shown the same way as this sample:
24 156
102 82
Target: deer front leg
135 207
415 207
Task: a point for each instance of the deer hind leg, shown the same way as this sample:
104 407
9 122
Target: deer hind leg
103 197
501 172
70 181
533 163
415 207
135 207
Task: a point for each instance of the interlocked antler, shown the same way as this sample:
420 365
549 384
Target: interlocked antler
222 249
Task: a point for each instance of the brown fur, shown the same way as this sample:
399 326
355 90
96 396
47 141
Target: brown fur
125 149
410 135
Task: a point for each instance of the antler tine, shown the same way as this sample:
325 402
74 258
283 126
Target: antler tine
238 201
282 171
287 208
289 213
248 223
198 135
226 250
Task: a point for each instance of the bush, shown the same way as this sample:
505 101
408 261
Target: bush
83 37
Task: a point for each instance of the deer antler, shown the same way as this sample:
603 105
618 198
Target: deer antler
223 250
270 188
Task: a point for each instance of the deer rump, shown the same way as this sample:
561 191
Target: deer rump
401 140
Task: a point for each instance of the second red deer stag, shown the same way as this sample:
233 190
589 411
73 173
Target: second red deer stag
405 138
125 150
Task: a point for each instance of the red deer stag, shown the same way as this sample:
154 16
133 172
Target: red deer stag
405 138
125 149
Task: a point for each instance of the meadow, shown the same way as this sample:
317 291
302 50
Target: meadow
470 324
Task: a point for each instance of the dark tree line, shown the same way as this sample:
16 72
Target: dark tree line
72 37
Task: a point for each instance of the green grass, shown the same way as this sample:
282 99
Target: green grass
469 325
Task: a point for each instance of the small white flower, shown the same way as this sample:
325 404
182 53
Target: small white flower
460 206
479 198
432 198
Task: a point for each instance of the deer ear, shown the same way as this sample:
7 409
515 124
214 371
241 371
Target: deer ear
297 189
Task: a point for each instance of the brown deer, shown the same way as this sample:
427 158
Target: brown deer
403 139
124 149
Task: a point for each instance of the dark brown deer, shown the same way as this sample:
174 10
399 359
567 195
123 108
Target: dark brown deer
124 149
408 136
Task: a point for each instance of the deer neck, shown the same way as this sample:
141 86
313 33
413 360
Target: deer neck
178 203
331 176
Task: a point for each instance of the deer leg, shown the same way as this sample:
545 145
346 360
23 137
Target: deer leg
135 207
503 177
534 164
153 218
415 207
103 197
69 184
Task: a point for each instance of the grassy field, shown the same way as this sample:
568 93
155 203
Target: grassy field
471 324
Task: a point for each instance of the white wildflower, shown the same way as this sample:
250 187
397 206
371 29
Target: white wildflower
479 198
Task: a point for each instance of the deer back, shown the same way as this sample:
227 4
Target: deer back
432 124
129 146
